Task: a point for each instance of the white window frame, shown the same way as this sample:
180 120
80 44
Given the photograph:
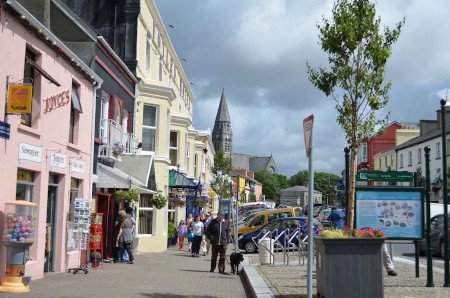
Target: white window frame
419 155
174 148
401 161
438 150
148 52
104 115
409 158
195 164
385 162
125 120
188 155
153 216
29 186
150 127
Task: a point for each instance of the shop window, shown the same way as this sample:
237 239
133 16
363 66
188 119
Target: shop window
145 216
25 184
75 111
173 148
74 193
149 128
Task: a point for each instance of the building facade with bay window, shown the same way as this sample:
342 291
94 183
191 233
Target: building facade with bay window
48 156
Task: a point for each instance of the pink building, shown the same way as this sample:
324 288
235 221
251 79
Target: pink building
47 159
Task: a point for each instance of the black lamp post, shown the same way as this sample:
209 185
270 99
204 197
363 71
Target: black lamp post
444 189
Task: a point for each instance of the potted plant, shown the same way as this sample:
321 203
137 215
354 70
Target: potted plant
159 201
118 149
171 234
349 263
127 195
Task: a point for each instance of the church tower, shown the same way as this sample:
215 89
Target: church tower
222 135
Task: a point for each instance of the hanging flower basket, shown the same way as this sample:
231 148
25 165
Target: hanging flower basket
159 201
201 202
131 195
176 200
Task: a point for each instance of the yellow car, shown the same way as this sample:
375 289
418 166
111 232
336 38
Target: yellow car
264 217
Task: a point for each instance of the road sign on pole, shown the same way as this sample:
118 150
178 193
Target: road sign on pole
308 134
307 130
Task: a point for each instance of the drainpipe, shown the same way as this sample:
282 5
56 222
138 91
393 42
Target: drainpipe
94 109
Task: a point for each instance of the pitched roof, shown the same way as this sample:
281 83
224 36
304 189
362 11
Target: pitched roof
257 163
298 188
222 113
422 138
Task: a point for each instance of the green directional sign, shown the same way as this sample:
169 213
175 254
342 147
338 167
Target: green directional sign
389 176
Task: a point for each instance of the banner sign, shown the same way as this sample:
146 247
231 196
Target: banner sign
19 99
396 211
5 130
389 176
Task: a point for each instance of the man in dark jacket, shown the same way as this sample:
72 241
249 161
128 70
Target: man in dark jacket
218 234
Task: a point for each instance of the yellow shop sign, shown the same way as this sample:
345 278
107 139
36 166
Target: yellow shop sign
19 99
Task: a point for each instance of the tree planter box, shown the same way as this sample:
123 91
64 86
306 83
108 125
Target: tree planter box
349 267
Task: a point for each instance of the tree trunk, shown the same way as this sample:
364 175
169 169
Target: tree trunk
351 198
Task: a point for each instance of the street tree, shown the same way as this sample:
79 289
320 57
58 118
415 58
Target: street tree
301 178
357 50
272 183
221 170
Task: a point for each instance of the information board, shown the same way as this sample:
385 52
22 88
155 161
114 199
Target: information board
397 211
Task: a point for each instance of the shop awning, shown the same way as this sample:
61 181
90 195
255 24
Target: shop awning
133 170
178 180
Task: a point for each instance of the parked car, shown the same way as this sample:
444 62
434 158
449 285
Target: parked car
437 236
323 217
264 217
246 243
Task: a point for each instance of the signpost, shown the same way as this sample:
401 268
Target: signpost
308 132
389 176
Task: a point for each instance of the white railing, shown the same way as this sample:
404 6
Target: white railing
116 140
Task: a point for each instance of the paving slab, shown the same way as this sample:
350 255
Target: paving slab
169 274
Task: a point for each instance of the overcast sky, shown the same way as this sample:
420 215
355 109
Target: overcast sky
257 50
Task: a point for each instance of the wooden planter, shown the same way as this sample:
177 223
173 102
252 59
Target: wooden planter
349 267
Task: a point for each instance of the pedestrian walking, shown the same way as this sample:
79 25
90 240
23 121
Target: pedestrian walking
126 230
198 232
190 236
387 262
182 231
218 234
206 244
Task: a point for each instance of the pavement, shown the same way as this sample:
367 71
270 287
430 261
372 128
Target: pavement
170 274
290 281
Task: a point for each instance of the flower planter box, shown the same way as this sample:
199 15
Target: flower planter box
349 267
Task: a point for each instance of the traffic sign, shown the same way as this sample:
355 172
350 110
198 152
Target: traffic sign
307 131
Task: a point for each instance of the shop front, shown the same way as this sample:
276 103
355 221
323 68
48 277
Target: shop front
46 159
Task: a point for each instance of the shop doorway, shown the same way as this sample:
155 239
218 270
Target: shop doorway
108 206
49 250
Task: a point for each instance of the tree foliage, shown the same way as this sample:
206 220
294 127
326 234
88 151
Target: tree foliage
272 183
222 163
357 52
323 181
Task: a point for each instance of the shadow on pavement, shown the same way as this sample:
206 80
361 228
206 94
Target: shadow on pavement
165 295
190 270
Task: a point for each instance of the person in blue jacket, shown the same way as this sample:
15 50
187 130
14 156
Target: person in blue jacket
336 218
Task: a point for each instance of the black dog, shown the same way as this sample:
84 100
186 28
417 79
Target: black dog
235 259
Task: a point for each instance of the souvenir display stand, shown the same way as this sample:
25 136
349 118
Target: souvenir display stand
81 221
96 240
18 236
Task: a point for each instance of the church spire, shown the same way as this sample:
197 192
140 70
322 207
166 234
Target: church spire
222 112
222 135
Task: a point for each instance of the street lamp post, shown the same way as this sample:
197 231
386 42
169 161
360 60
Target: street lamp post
444 189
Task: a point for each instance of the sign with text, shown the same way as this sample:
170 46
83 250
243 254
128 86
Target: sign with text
397 211
307 131
30 153
58 160
5 130
19 99
78 166
389 176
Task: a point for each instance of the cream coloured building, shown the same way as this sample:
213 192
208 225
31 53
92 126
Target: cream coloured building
163 122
